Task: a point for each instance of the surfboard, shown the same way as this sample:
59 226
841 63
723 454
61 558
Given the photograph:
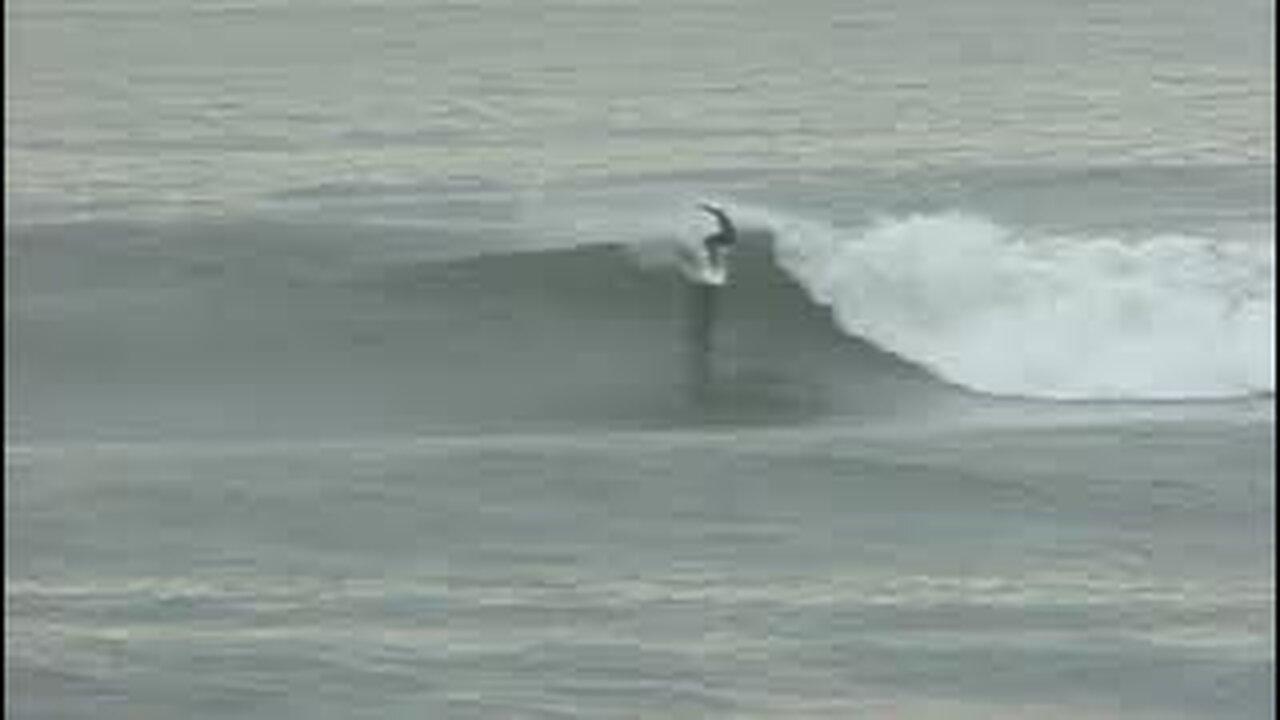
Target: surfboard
697 267
715 268
716 274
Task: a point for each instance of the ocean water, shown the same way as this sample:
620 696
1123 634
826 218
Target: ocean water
353 368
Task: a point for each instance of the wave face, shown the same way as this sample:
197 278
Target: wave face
116 332
1000 312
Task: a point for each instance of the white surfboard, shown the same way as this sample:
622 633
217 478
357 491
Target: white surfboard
715 268
714 274
697 267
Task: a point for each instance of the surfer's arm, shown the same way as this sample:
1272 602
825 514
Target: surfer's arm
726 226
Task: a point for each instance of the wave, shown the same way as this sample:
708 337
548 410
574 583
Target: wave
251 326
1009 313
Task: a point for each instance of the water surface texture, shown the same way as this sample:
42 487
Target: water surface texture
353 368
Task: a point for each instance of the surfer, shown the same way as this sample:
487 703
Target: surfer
718 243
702 305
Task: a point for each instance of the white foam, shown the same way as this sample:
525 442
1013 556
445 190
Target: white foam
1000 312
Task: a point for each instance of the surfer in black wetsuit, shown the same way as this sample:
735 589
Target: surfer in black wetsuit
723 238
702 305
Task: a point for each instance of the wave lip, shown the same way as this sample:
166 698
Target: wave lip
987 308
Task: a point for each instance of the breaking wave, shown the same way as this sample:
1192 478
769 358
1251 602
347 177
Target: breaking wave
255 327
1003 312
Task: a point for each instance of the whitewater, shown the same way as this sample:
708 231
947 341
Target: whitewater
1001 311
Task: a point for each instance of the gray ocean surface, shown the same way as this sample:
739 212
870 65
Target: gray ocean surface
348 359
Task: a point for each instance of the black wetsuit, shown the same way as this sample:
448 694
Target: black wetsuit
725 236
